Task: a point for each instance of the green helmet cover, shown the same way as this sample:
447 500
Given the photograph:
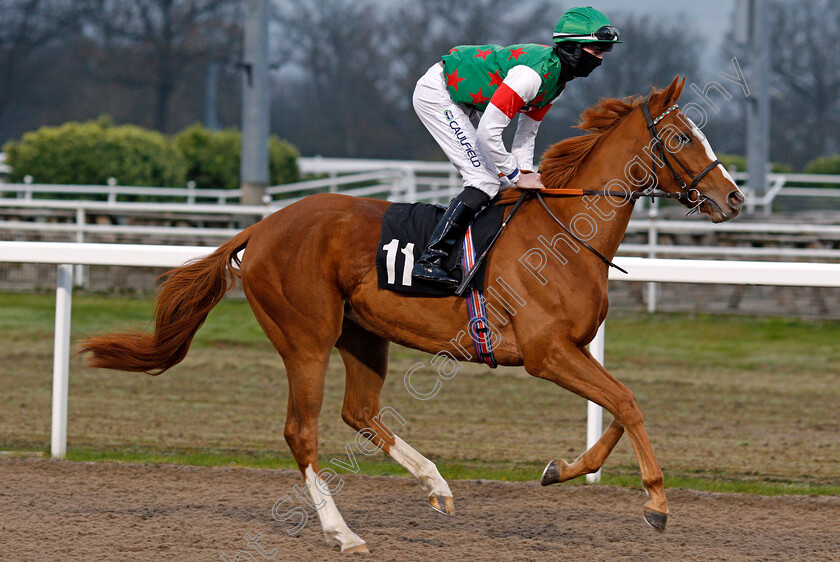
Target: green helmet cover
581 21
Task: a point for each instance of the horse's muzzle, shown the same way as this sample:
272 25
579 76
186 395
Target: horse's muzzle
736 200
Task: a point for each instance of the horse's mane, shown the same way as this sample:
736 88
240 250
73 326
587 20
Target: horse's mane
561 159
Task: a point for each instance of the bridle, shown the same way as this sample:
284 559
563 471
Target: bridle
690 196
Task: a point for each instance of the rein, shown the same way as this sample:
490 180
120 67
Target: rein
575 236
631 195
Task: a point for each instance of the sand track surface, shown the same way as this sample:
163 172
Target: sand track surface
55 510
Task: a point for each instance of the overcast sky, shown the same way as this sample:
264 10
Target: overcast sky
711 17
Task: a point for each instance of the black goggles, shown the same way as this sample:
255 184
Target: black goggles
605 36
607 33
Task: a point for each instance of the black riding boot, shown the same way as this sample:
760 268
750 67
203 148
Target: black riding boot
447 233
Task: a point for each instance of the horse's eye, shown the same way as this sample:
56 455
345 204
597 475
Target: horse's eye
683 138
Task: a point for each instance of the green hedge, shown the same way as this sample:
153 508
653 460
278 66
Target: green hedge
92 152
733 160
740 164
824 165
212 157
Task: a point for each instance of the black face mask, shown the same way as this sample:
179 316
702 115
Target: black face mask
577 61
586 64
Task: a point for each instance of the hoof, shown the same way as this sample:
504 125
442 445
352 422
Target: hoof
443 504
550 475
554 474
656 519
360 548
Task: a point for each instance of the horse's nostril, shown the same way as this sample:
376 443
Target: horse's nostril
736 199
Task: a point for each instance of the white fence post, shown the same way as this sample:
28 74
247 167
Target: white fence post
27 194
61 361
653 240
81 220
594 413
411 185
112 192
191 192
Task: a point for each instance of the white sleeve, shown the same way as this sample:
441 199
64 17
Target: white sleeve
519 87
524 140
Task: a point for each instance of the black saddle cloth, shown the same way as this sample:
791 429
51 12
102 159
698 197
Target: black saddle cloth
406 229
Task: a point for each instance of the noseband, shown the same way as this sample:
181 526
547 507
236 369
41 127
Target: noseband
691 196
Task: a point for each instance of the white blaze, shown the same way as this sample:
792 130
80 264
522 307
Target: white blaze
709 152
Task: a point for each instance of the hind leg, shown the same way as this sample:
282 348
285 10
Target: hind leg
365 358
306 354
306 393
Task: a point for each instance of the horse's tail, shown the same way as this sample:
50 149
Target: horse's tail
181 306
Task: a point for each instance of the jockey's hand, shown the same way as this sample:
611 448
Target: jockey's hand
530 180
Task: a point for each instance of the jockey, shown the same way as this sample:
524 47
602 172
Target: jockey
467 100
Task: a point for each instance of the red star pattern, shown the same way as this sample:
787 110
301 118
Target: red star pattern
479 97
483 54
515 53
453 80
495 79
452 51
538 99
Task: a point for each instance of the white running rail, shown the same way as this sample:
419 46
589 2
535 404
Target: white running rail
397 180
65 255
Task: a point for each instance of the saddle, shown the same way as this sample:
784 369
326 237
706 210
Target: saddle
406 229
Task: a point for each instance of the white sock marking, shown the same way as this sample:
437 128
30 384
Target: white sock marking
332 523
420 467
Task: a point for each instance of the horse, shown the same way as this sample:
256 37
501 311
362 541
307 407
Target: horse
308 273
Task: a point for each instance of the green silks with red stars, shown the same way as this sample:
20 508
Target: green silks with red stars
474 72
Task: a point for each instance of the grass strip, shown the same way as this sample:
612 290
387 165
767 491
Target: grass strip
625 477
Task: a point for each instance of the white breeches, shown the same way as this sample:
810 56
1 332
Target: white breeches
454 126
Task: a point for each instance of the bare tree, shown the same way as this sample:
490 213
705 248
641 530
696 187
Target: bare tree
26 27
421 32
350 66
332 48
804 81
805 114
356 63
155 42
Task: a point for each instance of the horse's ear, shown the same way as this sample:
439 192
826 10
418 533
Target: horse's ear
678 86
664 98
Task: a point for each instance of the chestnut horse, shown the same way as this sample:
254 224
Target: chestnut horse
308 272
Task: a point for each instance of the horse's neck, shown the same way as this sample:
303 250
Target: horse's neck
609 215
